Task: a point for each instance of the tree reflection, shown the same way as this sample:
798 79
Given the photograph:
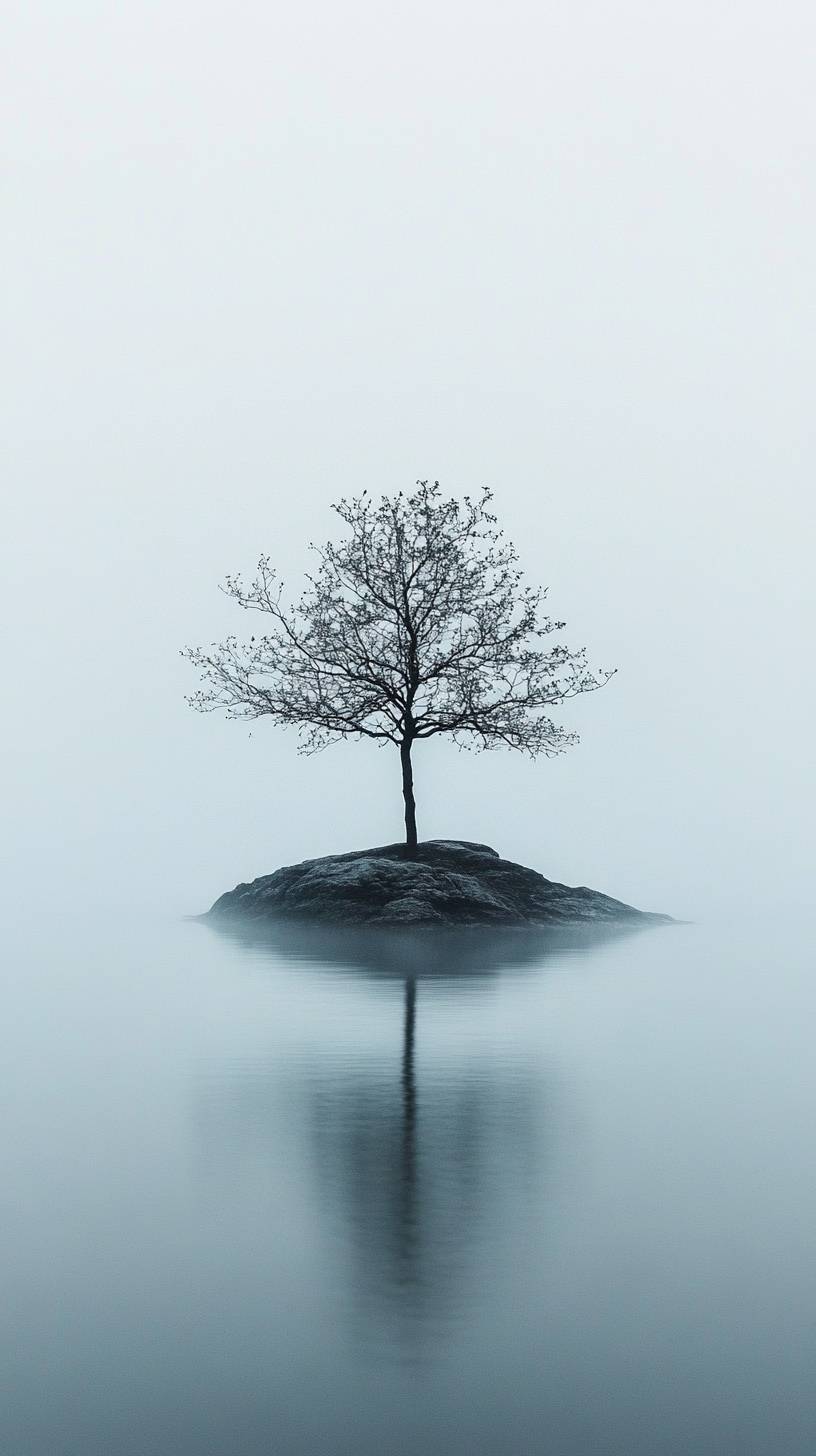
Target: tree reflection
424 1174
427 1167
409 1114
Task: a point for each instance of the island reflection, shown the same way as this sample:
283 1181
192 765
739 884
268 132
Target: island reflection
463 952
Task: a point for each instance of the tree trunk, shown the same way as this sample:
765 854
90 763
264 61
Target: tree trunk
408 794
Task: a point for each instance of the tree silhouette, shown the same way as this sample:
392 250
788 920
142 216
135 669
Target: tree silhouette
416 623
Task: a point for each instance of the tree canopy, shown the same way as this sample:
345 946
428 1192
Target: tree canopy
417 622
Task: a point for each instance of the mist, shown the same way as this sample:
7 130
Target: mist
257 258
362 1188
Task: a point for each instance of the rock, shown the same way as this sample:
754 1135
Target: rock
446 882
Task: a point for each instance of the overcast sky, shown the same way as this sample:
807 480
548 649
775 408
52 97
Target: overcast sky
259 256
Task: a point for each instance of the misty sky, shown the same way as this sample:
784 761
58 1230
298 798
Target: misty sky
258 256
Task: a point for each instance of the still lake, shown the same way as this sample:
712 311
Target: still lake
371 1197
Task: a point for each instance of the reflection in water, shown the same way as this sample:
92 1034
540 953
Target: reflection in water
390 1227
425 1164
408 1171
419 1174
420 952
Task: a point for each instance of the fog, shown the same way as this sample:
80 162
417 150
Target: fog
257 257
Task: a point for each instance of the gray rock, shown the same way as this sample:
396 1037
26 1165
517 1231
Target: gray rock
446 882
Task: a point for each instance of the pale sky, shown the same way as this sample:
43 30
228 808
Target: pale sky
255 258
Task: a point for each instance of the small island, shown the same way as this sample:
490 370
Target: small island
416 624
442 882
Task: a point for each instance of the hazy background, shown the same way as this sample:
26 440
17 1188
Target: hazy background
257 256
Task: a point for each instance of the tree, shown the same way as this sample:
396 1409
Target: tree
416 623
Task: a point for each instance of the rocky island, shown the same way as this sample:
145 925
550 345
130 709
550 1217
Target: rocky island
442 882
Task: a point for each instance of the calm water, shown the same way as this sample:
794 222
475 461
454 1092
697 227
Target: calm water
352 1196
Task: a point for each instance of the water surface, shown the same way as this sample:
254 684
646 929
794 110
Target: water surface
342 1194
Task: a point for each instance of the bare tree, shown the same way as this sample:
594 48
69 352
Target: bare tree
417 623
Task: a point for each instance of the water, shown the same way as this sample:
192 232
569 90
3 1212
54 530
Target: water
329 1195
